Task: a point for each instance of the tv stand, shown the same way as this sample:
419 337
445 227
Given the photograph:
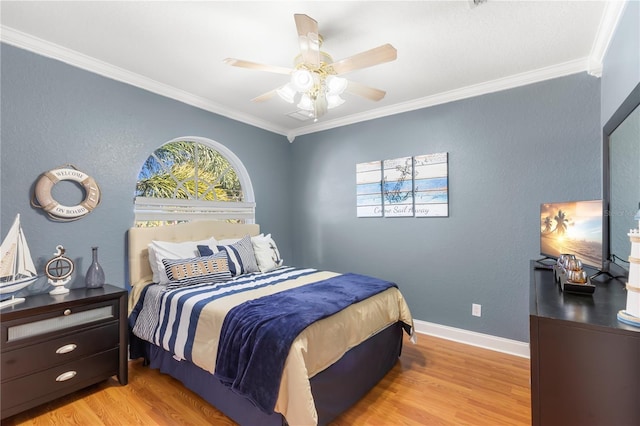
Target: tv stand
541 263
606 271
584 362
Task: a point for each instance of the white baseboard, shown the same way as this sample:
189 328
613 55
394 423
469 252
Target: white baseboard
486 341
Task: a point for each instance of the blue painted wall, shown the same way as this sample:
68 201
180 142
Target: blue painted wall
621 66
508 152
53 114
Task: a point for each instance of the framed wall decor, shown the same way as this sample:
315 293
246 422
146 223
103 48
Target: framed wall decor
431 185
369 189
404 187
397 187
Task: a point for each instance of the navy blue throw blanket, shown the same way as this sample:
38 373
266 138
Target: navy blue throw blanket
257 335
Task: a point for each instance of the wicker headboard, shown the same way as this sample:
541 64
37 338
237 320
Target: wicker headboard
138 239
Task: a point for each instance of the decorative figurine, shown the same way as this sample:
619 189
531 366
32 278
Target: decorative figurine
59 271
631 315
17 270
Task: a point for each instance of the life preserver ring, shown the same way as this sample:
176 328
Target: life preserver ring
43 199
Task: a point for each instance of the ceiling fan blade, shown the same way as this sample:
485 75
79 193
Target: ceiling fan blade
365 91
265 96
256 66
305 24
308 39
375 56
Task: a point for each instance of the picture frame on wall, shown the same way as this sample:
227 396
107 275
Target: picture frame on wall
415 186
397 187
431 185
369 189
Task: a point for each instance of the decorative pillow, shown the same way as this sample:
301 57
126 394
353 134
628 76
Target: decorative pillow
240 255
197 270
159 250
230 241
266 252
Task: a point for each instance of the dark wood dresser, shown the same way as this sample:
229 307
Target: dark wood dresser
585 364
55 345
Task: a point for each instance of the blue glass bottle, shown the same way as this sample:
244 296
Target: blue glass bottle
95 274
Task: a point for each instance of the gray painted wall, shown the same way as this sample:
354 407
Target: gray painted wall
53 114
508 152
621 66
620 75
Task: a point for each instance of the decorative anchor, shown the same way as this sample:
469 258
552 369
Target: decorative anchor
59 271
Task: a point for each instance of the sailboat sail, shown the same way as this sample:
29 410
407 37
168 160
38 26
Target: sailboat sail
17 269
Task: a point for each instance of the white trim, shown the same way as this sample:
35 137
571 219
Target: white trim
590 64
608 23
486 341
522 79
80 60
147 208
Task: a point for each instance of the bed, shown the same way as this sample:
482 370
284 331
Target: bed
329 364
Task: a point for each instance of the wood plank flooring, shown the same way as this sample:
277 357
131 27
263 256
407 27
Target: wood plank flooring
436 382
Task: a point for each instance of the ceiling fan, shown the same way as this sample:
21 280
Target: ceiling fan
315 76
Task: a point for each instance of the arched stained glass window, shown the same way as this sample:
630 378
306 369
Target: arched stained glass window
193 179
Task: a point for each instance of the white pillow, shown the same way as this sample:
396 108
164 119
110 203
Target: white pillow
230 241
159 250
267 254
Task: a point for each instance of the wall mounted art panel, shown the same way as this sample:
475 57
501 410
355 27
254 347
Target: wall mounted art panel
369 189
404 187
431 185
397 187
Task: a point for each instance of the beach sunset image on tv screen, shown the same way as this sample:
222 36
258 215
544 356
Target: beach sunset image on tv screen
574 228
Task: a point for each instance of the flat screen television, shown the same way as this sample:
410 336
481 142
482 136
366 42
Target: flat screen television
573 227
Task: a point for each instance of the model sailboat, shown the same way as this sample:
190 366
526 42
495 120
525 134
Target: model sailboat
16 265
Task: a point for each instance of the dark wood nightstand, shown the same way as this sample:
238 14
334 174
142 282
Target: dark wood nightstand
55 345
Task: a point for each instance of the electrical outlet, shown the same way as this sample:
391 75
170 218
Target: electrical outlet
476 310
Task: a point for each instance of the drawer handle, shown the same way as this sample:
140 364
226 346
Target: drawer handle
66 348
66 376
67 312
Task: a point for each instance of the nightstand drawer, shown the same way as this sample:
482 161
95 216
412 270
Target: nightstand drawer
28 330
43 386
57 351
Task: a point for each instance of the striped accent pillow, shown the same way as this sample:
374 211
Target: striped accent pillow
242 259
197 270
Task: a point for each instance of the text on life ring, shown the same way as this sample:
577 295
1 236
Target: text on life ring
51 206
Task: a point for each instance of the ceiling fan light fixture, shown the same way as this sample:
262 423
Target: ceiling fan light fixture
336 85
305 104
302 80
287 93
334 101
315 74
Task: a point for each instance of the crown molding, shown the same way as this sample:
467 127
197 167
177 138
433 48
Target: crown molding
608 24
51 50
591 64
535 76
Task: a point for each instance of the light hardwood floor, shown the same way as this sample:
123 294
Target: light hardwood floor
436 382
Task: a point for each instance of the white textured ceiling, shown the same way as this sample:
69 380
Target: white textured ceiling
446 49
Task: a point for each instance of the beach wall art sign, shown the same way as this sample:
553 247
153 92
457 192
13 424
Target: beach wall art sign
415 186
